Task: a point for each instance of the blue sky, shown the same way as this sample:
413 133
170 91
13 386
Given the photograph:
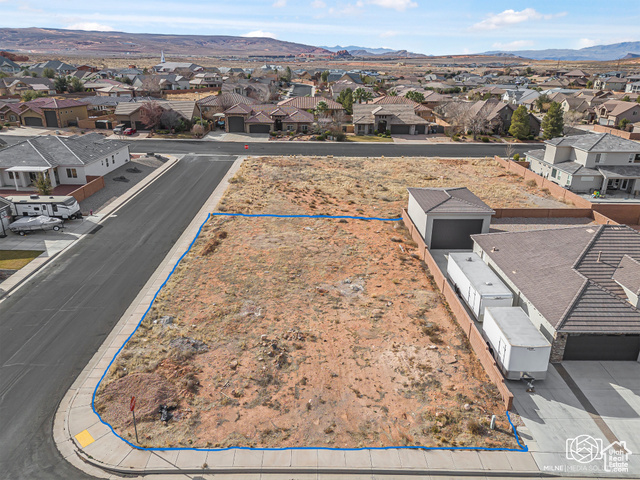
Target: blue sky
422 26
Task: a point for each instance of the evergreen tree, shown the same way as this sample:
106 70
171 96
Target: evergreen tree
520 123
553 122
346 100
48 73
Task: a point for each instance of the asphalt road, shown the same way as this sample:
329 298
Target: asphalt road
451 150
52 326
344 149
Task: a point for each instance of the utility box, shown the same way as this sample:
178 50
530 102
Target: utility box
476 283
518 346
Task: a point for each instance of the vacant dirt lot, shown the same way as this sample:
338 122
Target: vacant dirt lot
308 332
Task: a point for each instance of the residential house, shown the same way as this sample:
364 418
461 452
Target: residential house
311 103
580 105
612 112
610 83
337 88
519 96
493 115
65 160
578 286
19 85
265 118
154 84
399 119
633 87
130 114
8 66
420 109
49 112
215 105
171 67
10 112
206 80
586 163
60 68
115 91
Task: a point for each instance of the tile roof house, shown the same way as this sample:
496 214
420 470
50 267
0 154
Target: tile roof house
574 285
65 160
399 119
311 103
170 67
215 104
129 113
265 118
610 83
586 163
19 85
447 217
60 68
46 112
612 112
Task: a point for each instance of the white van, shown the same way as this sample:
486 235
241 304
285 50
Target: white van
51 205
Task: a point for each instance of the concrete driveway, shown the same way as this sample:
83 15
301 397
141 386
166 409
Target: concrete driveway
598 399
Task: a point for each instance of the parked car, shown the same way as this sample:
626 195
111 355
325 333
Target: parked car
129 131
29 224
119 129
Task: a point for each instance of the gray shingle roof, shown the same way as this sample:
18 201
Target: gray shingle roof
449 200
52 151
596 142
567 274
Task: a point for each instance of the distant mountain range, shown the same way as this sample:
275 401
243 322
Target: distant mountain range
80 42
598 53
368 51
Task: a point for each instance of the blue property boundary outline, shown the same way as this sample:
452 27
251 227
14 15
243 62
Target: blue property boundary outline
523 448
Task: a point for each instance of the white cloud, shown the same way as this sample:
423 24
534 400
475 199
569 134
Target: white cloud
515 45
318 4
260 34
388 34
587 42
508 18
91 26
400 5
280 4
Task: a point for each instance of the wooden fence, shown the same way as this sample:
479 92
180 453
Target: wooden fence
92 186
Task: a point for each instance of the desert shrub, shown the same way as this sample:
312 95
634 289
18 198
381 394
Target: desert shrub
485 139
516 157
531 183
475 427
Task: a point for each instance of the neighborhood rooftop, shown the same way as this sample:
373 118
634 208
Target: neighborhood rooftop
596 142
450 200
568 274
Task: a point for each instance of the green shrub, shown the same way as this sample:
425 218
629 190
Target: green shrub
516 157
485 139
7 124
339 136
320 138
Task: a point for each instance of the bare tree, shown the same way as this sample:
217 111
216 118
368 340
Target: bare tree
571 119
171 119
150 114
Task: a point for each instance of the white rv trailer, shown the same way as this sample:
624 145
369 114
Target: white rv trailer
51 205
519 348
476 283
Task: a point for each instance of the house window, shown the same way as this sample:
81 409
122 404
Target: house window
12 175
107 162
303 128
598 158
636 158
113 159
554 172
289 128
72 173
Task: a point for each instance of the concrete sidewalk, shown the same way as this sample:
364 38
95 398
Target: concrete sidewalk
91 446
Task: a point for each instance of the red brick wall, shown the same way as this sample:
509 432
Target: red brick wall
618 133
478 344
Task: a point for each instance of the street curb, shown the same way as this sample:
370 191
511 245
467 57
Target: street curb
64 440
120 201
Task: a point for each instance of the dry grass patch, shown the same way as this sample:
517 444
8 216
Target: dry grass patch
309 332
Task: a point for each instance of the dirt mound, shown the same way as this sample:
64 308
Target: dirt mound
150 389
